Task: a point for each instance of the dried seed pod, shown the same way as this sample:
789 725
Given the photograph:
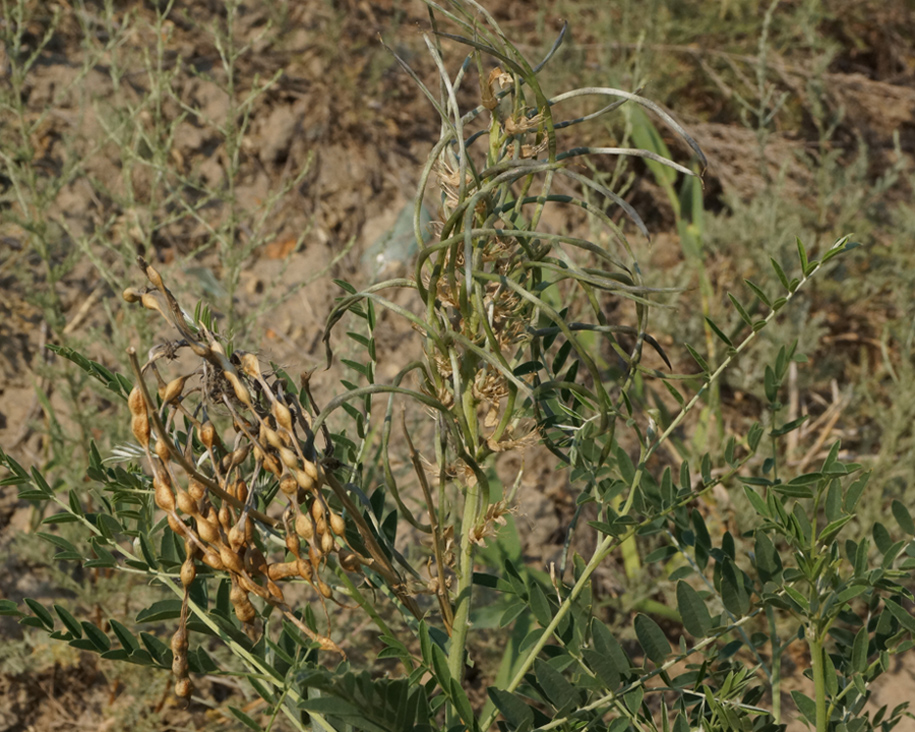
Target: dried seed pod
136 402
241 491
321 526
337 524
176 525
139 425
131 295
249 364
249 585
236 457
324 588
179 666
197 489
255 563
314 555
292 544
236 538
288 485
151 302
304 527
272 465
161 450
179 642
306 572
188 572
317 510
245 612
211 559
225 517
274 589
172 390
282 415
304 480
231 559
208 530
282 570
327 542
289 458
272 437
311 469
186 504
241 391
207 434
183 688
349 561
165 499
237 595
153 276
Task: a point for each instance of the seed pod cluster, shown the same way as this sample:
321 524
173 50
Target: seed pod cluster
210 485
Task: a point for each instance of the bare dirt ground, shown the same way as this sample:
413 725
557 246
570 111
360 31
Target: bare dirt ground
342 101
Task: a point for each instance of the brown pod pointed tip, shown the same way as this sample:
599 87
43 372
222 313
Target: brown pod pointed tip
173 389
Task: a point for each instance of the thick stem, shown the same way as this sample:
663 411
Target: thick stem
462 601
819 681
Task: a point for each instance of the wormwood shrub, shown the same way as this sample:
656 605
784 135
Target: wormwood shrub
271 517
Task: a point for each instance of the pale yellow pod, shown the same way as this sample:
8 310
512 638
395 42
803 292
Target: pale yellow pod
337 524
282 570
272 465
197 489
327 542
289 458
324 589
317 510
272 436
165 499
241 391
131 295
139 425
211 559
236 538
161 450
231 559
282 415
311 469
136 402
245 612
250 365
153 275
304 480
188 572
175 525
304 527
207 434
288 485
208 531
186 504
173 389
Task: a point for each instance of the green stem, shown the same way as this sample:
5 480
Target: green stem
462 603
819 681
